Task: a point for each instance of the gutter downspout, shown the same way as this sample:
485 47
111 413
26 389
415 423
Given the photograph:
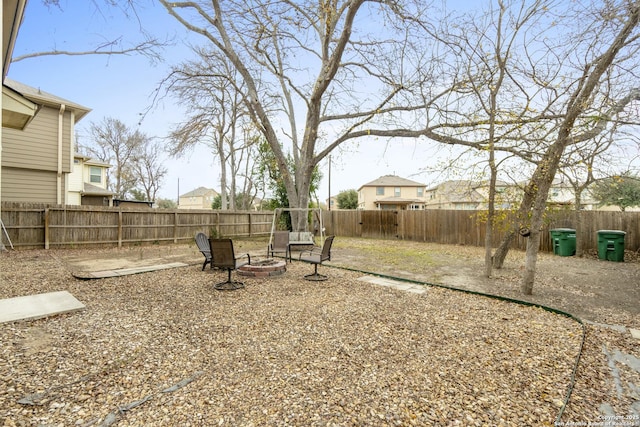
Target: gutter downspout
59 175
72 148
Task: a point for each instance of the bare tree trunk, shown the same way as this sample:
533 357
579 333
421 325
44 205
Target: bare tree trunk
531 258
503 249
579 225
488 241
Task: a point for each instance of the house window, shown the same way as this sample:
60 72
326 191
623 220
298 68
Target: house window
379 191
396 191
95 175
420 192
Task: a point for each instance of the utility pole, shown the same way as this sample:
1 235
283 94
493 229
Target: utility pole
329 199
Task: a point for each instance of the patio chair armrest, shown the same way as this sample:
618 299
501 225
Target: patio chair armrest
314 251
244 255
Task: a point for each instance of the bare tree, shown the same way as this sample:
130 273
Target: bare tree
304 59
150 46
488 82
212 94
561 79
147 168
589 161
116 144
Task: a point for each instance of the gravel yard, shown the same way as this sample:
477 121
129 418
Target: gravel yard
164 349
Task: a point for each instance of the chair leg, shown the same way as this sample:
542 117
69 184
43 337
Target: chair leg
315 277
228 285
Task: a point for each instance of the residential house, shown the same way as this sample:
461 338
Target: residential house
562 194
507 196
332 203
393 193
37 161
88 183
200 198
457 194
16 111
470 195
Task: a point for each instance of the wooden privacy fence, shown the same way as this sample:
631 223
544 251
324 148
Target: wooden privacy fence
37 226
463 227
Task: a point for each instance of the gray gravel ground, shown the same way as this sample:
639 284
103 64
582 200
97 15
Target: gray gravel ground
165 349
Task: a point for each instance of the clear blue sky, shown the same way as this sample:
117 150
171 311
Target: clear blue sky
122 86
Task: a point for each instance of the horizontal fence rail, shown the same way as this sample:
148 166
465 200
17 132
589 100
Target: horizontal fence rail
38 226
34 226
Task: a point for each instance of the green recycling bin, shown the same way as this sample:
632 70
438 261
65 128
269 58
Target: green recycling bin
563 241
611 245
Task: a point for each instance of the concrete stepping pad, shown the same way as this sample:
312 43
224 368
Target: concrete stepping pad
37 306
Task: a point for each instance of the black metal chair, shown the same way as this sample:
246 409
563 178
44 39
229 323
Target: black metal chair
224 258
317 256
203 246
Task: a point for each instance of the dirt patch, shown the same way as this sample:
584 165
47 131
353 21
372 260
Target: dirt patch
592 289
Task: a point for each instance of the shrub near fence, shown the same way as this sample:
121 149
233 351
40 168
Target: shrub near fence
38 226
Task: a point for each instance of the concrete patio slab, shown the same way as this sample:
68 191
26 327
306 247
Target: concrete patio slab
125 271
38 306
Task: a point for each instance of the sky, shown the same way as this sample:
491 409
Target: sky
122 87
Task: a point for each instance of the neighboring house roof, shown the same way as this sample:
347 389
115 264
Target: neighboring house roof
200 191
92 190
44 98
12 13
392 181
17 111
94 162
90 161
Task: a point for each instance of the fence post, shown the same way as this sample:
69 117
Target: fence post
46 228
175 227
120 228
249 223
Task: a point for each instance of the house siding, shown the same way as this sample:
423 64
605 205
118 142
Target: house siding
30 159
76 180
27 185
37 146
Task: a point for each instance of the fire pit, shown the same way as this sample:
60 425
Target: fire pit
263 268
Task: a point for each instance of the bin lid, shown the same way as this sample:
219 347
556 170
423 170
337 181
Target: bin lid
566 230
617 232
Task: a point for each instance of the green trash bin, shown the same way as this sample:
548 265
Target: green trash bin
611 245
563 241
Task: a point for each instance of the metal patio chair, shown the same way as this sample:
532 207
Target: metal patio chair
317 256
203 246
280 244
224 258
